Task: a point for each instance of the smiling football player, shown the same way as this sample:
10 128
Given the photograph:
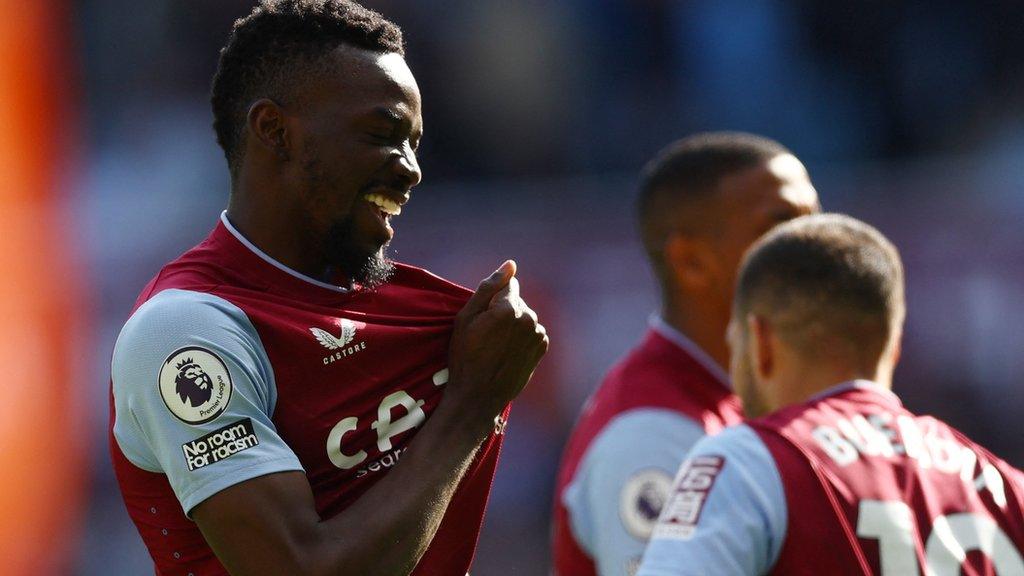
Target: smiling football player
270 379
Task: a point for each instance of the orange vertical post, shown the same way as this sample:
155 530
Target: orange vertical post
42 444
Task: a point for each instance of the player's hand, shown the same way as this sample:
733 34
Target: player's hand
496 346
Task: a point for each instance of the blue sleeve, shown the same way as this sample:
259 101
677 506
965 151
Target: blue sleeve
193 396
622 481
726 514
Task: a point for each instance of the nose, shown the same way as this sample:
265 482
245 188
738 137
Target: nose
407 167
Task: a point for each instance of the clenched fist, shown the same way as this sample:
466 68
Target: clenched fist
496 346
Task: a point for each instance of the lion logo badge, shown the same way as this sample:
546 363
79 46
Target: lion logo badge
195 385
642 499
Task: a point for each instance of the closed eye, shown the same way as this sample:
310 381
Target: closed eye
383 139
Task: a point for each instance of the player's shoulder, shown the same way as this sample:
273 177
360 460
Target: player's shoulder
645 379
615 494
176 329
655 369
177 314
737 454
741 442
199 268
726 512
180 306
637 379
931 426
617 417
629 398
635 432
636 444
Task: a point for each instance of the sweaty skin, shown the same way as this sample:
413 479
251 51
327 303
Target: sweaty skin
309 166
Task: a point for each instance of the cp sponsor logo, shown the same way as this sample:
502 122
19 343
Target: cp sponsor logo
641 500
195 385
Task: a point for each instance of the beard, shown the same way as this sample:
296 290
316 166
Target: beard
342 250
370 270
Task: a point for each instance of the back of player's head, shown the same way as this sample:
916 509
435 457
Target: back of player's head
687 172
279 44
822 280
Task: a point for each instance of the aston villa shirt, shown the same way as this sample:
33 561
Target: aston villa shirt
848 483
233 366
635 430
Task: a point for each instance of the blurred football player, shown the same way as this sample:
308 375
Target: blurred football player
832 475
702 202
270 380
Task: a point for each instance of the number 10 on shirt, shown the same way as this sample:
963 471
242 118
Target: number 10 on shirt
952 537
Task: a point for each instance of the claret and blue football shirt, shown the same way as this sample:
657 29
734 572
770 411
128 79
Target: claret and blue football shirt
233 366
848 483
634 431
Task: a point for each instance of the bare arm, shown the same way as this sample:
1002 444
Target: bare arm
269 525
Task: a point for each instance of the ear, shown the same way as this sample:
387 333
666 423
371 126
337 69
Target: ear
762 347
690 261
268 128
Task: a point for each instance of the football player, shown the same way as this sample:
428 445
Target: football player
285 399
832 475
702 202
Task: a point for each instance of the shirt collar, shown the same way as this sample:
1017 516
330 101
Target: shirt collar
658 324
266 257
868 385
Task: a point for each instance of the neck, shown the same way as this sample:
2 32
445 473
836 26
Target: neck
276 230
805 380
700 326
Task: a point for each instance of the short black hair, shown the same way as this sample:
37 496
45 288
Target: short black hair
688 170
825 278
269 50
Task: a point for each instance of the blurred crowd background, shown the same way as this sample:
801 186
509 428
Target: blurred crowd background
538 116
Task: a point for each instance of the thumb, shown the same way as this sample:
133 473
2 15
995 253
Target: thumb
490 286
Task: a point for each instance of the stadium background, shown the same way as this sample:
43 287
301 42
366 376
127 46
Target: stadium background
538 115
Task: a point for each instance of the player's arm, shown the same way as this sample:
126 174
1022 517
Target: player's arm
622 482
726 514
269 526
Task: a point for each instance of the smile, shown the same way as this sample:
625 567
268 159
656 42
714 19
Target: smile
386 205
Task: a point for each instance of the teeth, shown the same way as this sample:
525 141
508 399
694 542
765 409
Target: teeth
386 205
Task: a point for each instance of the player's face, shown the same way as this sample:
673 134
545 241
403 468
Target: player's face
359 130
741 369
754 201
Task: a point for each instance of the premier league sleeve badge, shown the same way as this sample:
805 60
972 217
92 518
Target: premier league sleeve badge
195 385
